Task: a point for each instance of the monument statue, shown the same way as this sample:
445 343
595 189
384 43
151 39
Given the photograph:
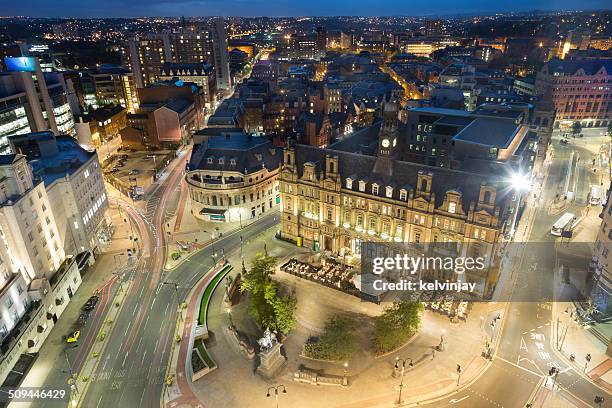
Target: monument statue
267 341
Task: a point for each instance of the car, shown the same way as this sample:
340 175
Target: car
83 318
113 170
564 141
124 156
73 337
93 299
150 156
133 172
88 307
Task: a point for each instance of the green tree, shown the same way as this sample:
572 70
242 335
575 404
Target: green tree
396 324
336 343
576 128
268 309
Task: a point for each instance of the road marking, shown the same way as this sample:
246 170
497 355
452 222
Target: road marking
523 345
99 401
456 400
124 358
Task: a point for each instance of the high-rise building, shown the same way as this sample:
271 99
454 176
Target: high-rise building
221 61
32 101
580 91
146 55
107 85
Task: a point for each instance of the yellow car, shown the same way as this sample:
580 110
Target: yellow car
73 337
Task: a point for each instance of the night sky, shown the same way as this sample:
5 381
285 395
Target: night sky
133 8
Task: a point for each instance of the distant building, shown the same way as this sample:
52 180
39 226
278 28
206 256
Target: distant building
232 176
74 186
221 59
101 125
145 55
524 86
200 74
169 113
107 85
580 91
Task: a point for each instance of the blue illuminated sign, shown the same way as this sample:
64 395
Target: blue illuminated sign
20 64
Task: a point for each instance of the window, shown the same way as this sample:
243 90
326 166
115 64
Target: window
329 214
375 189
362 186
452 207
403 195
389 192
349 183
9 302
372 223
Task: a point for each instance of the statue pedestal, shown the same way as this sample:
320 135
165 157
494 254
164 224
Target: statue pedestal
271 361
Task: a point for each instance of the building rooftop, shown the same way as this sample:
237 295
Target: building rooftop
51 157
489 132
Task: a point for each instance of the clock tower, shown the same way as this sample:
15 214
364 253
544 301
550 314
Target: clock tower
388 134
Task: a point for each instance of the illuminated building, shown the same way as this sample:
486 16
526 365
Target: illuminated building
232 176
101 125
361 189
31 100
221 60
580 91
201 74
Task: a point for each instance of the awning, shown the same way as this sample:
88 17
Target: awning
212 211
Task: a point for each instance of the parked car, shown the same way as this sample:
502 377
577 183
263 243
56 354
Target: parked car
88 307
73 337
124 156
564 141
134 172
83 318
93 299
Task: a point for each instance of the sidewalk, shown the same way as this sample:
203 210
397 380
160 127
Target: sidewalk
574 339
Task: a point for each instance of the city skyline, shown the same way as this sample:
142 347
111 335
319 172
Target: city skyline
282 8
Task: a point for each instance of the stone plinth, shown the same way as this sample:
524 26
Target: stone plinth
271 361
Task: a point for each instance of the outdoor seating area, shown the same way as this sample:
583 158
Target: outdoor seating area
330 273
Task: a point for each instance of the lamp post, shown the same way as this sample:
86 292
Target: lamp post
441 345
70 367
401 362
276 389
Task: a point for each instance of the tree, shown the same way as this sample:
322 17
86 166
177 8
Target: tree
397 324
268 309
576 128
336 343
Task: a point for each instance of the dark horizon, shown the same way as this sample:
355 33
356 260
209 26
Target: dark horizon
282 8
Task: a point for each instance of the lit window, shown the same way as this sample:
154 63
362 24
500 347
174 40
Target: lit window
452 207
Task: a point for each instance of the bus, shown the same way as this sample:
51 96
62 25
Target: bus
596 196
564 223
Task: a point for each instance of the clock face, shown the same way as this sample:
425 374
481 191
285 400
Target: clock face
385 143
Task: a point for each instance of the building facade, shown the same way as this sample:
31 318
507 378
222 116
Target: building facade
602 261
581 91
32 101
337 198
74 186
232 176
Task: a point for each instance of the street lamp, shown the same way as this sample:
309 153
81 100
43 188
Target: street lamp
72 377
441 345
402 362
276 389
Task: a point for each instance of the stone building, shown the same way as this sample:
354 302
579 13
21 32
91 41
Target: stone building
232 176
362 189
